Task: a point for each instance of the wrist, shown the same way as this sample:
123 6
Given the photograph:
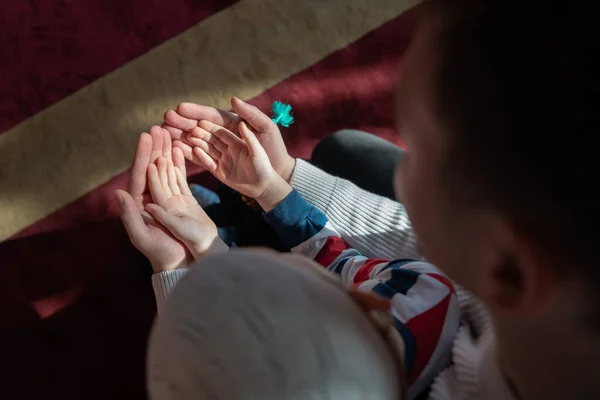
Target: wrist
215 245
277 190
159 267
287 170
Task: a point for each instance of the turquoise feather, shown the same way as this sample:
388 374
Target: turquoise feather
282 114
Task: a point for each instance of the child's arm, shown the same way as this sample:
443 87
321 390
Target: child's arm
424 303
375 225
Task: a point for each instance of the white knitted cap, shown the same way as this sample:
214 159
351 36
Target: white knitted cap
254 324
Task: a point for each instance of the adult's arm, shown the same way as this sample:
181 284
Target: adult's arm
374 225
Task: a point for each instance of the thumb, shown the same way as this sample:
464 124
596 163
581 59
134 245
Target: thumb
132 219
256 118
249 137
168 220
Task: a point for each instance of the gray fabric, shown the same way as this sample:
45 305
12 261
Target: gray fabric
255 324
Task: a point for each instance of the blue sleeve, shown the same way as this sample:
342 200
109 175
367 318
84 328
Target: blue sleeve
295 221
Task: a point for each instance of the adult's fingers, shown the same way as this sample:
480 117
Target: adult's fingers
175 119
156 189
251 114
167 147
132 220
199 112
137 178
157 142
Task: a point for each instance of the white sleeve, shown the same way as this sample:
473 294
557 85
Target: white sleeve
374 225
164 282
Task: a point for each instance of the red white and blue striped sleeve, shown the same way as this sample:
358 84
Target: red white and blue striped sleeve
424 303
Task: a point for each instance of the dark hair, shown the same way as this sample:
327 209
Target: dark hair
517 86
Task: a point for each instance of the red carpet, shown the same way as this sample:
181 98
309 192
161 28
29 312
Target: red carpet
95 346
56 47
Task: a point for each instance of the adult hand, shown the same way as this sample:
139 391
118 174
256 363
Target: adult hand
163 250
188 115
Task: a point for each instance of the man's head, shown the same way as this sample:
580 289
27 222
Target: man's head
497 105
260 325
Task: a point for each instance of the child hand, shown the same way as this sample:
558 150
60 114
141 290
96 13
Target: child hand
188 115
178 210
241 164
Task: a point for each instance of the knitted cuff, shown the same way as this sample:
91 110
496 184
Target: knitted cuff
164 282
316 186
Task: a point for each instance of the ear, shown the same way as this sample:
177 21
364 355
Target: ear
523 280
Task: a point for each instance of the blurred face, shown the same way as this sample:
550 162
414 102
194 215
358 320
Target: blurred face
446 232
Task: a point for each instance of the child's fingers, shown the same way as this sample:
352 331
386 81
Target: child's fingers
176 133
256 118
156 188
208 148
182 182
249 137
179 159
187 150
132 219
202 134
173 186
207 160
225 135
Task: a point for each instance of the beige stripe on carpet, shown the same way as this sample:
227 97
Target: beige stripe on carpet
77 144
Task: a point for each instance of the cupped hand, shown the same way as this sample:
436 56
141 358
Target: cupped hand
240 163
189 115
162 249
176 208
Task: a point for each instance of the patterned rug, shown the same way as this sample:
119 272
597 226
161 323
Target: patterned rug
82 81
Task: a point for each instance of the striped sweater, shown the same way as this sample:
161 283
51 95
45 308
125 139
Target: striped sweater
424 302
377 226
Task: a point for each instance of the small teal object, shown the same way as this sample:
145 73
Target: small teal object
282 114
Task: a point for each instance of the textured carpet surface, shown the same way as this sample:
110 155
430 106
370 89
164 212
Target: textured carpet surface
75 297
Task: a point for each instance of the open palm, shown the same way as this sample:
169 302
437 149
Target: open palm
188 116
177 209
164 251
242 165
